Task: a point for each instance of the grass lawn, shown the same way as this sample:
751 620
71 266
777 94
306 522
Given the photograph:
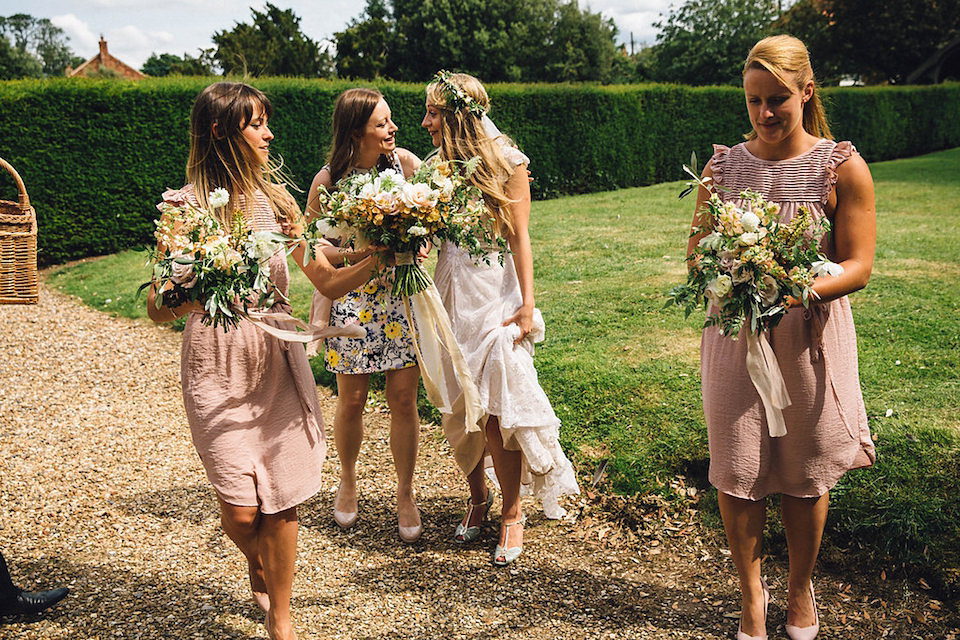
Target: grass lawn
623 373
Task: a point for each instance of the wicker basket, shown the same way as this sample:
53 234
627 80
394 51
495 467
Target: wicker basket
18 246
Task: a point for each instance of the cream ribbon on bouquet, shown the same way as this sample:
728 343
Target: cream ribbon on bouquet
307 332
766 377
432 336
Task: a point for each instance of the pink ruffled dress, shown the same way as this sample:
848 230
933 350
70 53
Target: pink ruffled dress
251 400
816 348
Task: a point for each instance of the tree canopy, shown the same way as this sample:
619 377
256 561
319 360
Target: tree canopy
272 45
498 40
705 41
875 41
33 47
166 64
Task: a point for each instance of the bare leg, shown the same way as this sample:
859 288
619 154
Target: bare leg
743 521
477 513
401 395
278 551
507 465
348 435
803 522
241 524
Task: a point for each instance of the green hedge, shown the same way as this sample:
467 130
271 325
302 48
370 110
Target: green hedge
96 154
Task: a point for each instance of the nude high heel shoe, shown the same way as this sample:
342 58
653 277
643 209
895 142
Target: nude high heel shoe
766 602
806 633
344 519
409 534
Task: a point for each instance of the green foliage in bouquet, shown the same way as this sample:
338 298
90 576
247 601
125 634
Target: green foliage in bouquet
197 260
748 263
381 208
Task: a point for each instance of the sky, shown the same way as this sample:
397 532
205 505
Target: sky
134 29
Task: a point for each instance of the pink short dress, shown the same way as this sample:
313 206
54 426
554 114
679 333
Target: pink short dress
816 348
251 401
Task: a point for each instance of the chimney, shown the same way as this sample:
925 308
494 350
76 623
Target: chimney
103 48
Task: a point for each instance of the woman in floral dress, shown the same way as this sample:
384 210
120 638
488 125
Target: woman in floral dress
364 138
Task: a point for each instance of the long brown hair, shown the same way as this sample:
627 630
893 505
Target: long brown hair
462 137
221 157
351 112
787 59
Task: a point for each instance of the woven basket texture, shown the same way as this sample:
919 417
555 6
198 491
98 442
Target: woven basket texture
18 246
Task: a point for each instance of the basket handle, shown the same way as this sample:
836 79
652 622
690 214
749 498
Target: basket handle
24 198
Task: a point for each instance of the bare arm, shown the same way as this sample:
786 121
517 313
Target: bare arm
409 161
698 214
331 281
165 313
518 190
854 230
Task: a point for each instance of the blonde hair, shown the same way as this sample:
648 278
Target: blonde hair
786 57
221 157
351 113
462 136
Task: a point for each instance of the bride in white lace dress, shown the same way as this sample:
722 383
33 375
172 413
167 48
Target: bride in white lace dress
492 312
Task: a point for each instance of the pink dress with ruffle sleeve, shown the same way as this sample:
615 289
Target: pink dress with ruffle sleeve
816 348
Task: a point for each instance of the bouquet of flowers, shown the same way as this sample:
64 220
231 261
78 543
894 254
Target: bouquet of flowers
225 269
382 208
748 263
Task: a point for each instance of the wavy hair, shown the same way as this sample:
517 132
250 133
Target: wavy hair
462 137
221 157
351 113
786 57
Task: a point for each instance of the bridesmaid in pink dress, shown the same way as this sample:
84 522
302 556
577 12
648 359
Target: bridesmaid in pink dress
790 158
250 398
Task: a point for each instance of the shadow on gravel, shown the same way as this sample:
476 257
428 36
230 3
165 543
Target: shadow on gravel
108 602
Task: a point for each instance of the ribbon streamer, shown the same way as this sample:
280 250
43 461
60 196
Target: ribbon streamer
765 373
432 335
307 332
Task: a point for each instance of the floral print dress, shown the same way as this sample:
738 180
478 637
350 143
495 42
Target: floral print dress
388 344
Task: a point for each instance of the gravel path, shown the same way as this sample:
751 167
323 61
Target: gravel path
103 492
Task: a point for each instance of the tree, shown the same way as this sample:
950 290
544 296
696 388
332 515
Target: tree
17 64
166 64
706 41
884 40
585 44
809 20
272 45
364 46
40 40
497 40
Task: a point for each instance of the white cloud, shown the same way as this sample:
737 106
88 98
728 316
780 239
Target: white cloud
83 41
134 45
129 43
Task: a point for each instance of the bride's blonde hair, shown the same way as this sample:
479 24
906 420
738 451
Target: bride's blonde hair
462 136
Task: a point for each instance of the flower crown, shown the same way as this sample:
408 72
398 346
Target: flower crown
456 98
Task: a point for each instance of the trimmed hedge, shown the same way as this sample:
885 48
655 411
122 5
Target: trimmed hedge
96 154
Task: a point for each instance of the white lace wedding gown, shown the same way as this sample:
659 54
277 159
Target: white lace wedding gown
479 298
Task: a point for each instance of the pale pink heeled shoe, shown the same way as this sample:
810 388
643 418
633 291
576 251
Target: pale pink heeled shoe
344 519
766 602
806 633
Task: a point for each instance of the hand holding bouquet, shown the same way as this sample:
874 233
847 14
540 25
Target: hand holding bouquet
382 208
198 260
748 262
